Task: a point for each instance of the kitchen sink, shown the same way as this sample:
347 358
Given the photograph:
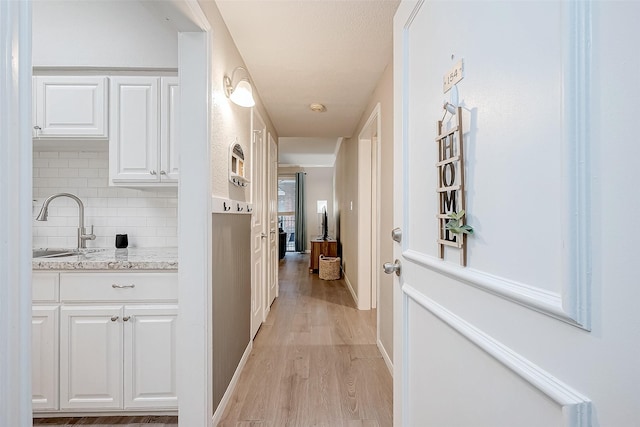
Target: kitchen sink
59 253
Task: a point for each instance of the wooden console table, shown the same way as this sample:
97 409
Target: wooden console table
328 248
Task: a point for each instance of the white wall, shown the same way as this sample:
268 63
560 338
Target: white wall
149 217
101 34
347 207
230 123
319 186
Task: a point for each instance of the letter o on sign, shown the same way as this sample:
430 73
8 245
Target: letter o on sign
448 174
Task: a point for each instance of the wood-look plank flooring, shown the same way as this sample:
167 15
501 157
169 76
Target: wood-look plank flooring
314 362
146 421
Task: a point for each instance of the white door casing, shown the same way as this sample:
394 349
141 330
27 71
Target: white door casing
259 234
467 337
368 208
15 213
272 281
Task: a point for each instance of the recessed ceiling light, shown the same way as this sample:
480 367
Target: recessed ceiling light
317 108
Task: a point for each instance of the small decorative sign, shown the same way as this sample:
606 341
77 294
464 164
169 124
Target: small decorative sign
452 230
453 76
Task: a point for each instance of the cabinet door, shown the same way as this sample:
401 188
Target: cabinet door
133 145
91 357
44 357
150 356
71 106
169 132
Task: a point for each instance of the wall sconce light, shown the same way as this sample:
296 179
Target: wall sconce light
242 93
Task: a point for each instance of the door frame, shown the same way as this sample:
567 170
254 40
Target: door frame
258 124
368 208
16 160
272 191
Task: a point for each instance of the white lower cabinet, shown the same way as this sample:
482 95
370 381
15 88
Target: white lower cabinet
150 357
117 344
118 357
44 357
91 349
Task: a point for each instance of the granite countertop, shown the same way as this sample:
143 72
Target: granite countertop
113 259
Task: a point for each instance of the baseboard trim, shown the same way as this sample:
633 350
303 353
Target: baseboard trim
217 415
385 357
353 294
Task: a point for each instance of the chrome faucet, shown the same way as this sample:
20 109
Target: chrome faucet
82 236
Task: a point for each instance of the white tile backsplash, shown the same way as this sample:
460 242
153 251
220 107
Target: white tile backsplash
149 217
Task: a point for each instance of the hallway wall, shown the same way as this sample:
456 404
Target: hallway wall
346 178
229 122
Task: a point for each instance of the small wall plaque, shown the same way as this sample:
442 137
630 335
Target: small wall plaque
453 76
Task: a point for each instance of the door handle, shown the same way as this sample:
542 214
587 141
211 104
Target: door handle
392 268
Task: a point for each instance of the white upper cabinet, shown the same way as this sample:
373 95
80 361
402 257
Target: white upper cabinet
143 143
70 107
169 114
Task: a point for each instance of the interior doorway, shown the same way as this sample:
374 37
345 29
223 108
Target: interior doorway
286 210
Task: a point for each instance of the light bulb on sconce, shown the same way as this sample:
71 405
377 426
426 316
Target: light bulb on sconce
242 93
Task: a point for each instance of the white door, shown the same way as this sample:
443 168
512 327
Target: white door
150 356
91 357
272 281
44 357
504 340
259 234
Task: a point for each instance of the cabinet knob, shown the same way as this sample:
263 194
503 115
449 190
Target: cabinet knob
163 173
152 172
114 318
36 127
126 318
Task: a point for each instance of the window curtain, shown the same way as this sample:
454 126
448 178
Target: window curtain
301 235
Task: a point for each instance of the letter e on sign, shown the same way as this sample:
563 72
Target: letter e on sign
453 76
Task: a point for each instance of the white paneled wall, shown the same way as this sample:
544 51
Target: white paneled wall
149 217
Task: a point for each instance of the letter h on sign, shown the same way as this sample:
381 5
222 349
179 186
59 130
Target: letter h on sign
451 197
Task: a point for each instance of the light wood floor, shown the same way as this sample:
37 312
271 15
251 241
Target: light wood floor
146 421
314 361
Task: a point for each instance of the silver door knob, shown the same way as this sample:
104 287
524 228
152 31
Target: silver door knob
391 268
396 234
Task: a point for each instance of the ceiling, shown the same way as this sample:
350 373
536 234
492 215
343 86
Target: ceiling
300 52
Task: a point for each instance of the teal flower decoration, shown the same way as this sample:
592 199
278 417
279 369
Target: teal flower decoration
454 226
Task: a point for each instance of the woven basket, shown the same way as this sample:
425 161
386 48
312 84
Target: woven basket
329 268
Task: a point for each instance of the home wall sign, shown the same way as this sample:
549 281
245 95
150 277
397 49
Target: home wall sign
452 230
